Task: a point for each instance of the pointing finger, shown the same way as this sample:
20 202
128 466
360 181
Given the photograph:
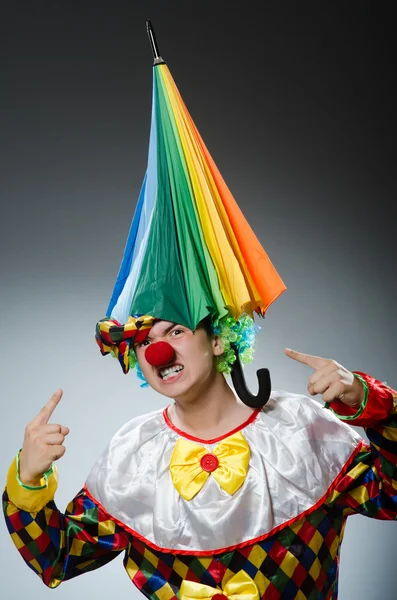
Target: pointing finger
44 415
315 362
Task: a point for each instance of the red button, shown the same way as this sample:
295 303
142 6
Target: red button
209 463
219 597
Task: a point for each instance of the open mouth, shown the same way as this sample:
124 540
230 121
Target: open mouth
170 372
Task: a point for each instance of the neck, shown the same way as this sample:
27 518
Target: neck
213 411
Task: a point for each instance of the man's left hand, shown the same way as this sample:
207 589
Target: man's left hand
330 379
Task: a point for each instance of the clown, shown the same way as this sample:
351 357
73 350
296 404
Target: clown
211 497
221 494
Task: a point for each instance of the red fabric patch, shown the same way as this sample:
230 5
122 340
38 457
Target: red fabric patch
277 552
139 546
329 538
139 579
299 575
16 522
272 593
217 570
47 575
120 540
165 570
245 551
321 579
192 576
141 335
385 515
42 542
306 532
344 484
54 520
26 554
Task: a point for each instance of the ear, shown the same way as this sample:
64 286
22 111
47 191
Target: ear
217 346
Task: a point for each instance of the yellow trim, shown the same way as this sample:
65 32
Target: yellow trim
30 499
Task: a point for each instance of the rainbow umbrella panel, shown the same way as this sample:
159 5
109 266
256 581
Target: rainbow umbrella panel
190 252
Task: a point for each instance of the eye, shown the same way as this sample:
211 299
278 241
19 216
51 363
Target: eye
144 343
175 332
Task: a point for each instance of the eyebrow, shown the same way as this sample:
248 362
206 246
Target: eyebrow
165 330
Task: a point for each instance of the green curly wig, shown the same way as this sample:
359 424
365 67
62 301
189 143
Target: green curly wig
239 332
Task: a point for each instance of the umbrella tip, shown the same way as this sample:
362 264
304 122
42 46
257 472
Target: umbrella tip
152 39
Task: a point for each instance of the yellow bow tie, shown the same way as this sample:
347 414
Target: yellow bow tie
239 587
192 464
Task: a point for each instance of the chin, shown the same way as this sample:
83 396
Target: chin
175 390
188 392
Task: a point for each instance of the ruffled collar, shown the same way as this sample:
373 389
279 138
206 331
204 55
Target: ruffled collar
297 452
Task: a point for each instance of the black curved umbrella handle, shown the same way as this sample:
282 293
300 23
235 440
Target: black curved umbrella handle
264 385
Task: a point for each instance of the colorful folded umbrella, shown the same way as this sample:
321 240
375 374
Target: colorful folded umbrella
190 252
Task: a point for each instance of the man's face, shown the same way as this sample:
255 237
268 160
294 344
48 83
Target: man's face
193 364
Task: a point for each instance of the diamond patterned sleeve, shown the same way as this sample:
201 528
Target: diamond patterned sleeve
369 487
60 546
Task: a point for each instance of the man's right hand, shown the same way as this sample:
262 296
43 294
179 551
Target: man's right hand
42 444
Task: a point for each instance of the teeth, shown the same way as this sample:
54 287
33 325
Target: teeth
169 371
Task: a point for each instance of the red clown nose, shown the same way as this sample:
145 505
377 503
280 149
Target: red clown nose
160 353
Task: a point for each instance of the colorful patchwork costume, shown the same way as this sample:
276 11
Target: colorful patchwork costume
258 513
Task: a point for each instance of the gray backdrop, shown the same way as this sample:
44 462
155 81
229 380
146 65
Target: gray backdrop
296 107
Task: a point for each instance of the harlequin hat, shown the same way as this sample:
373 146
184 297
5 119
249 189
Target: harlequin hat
190 252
